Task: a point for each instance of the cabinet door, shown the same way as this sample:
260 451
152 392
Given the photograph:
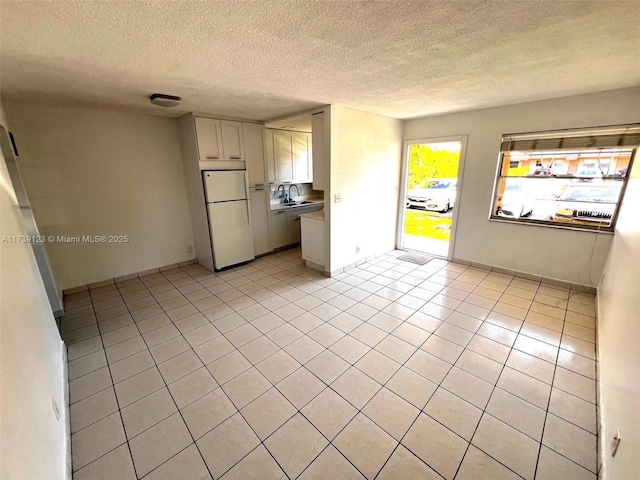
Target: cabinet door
209 139
313 241
260 220
270 157
254 153
232 140
278 229
301 172
317 146
293 222
284 156
294 229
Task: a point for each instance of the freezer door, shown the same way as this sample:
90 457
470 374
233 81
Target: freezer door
225 185
231 233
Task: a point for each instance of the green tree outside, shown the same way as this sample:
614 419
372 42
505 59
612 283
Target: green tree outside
427 162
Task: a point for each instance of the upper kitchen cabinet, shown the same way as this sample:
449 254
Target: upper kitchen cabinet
270 156
317 134
254 152
288 156
209 136
219 139
302 172
284 156
232 140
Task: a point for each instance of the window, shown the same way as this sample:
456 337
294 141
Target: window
568 178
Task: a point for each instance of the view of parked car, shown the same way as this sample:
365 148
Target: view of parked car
542 172
588 203
515 202
433 194
589 172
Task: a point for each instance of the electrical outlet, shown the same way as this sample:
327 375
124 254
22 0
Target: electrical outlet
189 248
357 250
337 198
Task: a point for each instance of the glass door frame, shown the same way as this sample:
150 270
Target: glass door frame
402 199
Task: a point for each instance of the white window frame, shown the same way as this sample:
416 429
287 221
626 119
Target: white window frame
581 140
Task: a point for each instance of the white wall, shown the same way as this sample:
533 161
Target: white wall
572 256
96 172
365 171
619 339
32 442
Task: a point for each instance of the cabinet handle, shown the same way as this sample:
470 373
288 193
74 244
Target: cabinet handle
280 212
259 185
259 189
246 188
235 158
212 157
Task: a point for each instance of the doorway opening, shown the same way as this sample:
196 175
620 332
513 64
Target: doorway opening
429 202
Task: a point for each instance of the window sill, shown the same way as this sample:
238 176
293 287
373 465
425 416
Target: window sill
541 223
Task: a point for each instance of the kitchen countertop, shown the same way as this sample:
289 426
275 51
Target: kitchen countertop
286 206
317 216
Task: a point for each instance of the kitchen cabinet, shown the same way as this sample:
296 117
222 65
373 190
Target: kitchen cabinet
284 225
293 226
278 231
289 157
293 222
313 239
259 201
284 156
209 139
219 139
317 145
254 152
232 140
270 157
301 157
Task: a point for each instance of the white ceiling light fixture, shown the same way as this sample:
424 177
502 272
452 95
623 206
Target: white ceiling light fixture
165 100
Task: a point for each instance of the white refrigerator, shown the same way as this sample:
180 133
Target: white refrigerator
227 198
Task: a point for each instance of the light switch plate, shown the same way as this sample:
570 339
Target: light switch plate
337 198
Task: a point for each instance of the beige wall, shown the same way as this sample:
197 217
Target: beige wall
619 341
567 255
365 171
33 443
96 172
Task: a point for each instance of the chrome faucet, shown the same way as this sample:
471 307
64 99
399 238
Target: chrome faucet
283 188
297 192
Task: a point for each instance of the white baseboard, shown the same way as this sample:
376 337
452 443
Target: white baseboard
66 414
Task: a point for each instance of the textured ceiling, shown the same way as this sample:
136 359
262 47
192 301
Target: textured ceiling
262 59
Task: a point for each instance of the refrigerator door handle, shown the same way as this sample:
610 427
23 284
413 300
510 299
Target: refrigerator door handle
246 186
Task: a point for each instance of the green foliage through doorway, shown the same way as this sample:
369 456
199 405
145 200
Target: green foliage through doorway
427 162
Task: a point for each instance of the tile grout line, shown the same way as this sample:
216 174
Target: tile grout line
484 410
345 334
117 402
219 386
330 442
175 403
546 413
120 410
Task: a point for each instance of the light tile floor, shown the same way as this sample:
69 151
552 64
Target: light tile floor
390 370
